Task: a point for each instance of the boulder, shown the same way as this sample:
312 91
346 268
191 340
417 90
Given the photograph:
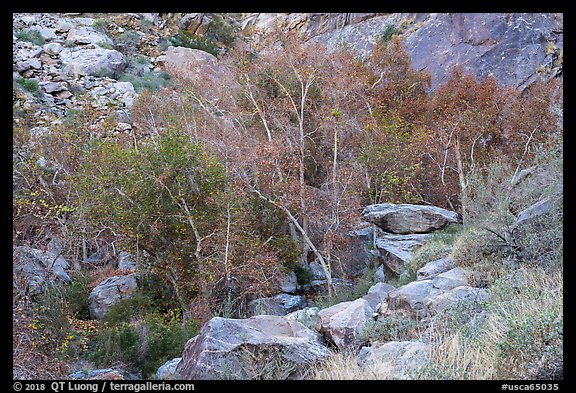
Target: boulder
377 294
451 279
126 261
343 322
363 253
407 218
81 35
39 267
249 349
379 274
409 299
93 61
107 374
168 370
289 283
280 304
437 303
434 268
396 251
109 292
191 63
540 208
397 357
52 48
317 270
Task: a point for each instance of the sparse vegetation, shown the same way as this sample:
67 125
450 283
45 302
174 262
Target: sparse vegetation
30 35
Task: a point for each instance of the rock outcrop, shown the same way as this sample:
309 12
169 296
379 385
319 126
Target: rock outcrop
250 348
396 251
343 322
515 48
109 292
39 268
168 369
408 219
399 358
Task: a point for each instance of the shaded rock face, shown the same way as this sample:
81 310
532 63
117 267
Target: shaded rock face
396 251
407 218
280 304
109 292
39 267
245 348
513 47
510 47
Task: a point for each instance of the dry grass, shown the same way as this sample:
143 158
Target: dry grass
497 348
343 366
517 336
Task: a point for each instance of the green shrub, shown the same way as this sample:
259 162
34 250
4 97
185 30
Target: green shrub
143 345
388 32
76 296
129 309
32 36
532 348
30 85
185 39
153 81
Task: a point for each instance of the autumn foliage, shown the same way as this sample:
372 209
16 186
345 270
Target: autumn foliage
228 185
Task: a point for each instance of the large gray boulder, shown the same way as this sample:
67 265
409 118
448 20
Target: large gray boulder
437 303
434 268
544 206
250 349
87 35
342 323
407 218
450 279
192 64
95 61
396 251
377 294
109 292
168 369
410 299
398 358
38 268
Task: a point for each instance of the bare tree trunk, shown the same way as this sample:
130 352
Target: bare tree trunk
462 180
305 236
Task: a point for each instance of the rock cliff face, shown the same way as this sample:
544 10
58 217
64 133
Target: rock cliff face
512 47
